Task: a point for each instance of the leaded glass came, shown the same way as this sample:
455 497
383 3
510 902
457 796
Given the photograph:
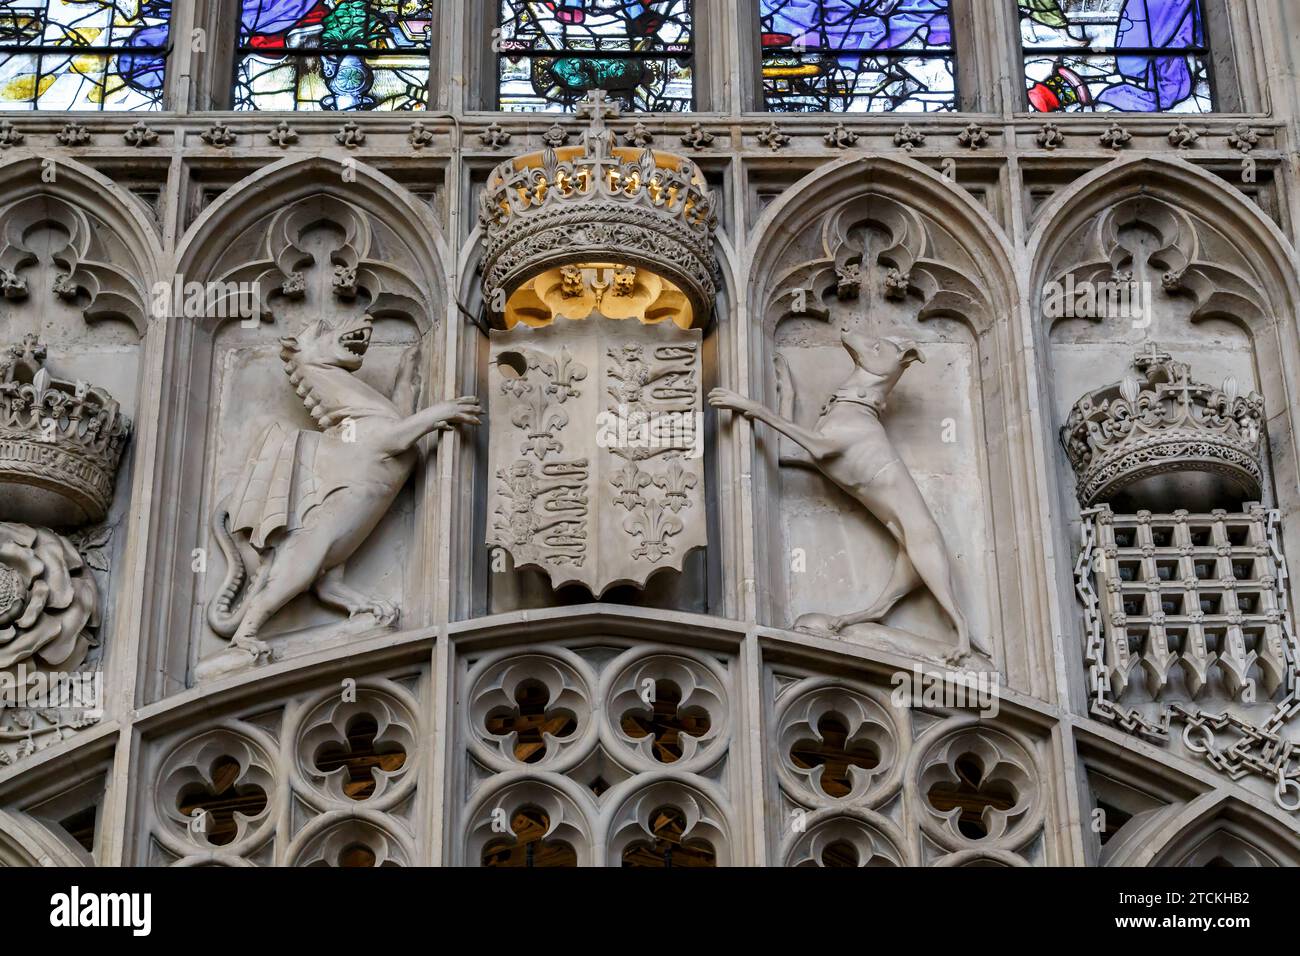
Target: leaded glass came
551 54
333 55
1144 56
857 56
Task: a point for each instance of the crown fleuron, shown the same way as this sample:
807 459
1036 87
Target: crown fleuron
60 443
1158 425
600 203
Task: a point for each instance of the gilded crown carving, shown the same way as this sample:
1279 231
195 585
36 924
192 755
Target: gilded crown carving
1159 421
60 442
598 202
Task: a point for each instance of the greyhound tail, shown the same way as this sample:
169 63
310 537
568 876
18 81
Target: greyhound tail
222 617
784 388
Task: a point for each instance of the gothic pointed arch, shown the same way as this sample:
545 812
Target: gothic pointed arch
888 248
1158 291
344 266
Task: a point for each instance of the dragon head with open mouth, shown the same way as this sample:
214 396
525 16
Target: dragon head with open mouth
321 344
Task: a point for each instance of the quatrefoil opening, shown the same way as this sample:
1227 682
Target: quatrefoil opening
667 722
214 803
532 722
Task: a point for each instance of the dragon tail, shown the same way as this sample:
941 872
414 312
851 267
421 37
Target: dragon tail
223 618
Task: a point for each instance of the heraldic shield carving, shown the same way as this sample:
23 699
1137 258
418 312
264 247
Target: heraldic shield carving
601 260
596 450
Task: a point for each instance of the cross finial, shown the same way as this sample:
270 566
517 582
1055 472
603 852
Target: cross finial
597 107
1153 355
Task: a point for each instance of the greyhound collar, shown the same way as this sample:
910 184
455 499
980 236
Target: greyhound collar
855 396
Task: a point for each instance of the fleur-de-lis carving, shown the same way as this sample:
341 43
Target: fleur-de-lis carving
629 482
563 373
654 524
676 486
542 423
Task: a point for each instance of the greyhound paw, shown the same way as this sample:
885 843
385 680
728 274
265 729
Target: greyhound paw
726 398
820 625
385 613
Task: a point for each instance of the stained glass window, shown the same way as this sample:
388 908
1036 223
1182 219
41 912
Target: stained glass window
333 55
857 56
1146 56
83 54
551 53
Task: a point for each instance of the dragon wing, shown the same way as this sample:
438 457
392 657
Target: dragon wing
268 496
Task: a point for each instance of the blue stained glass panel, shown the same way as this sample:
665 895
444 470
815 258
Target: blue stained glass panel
1146 56
849 56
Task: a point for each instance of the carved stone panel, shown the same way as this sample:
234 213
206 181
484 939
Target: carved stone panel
595 456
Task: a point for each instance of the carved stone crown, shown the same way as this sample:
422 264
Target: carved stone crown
60 443
1159 422
601 203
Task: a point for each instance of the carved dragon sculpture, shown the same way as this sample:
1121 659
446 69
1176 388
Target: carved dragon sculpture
309 499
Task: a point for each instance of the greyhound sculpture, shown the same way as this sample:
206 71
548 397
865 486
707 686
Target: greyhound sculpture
850 447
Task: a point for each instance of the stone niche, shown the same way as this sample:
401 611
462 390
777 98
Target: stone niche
74 276
335 306
598 272
872 272
1165 404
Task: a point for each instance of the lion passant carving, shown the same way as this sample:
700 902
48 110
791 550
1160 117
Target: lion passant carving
309 499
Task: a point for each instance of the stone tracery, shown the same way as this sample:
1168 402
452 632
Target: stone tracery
667 710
